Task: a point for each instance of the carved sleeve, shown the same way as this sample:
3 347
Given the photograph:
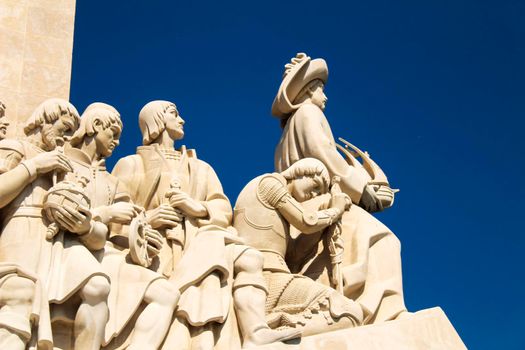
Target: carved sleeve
215 201
95 239
317 141
272 192
127 171
9 159
15 174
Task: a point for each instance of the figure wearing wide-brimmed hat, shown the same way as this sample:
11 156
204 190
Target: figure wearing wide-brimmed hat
372 274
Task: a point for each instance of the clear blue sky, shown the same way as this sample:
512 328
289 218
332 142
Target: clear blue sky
435 91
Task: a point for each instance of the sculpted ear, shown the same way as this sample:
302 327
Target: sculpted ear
97 125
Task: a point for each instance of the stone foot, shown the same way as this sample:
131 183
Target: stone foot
267 336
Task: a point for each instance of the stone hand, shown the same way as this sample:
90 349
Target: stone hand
154 241
385 195
48 161
340 201
189 206
163 216
122 212
75 221
369 200
375 198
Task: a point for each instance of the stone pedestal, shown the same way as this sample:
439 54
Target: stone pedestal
428 329
36 46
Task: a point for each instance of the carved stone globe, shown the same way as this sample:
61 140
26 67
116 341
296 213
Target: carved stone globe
65 194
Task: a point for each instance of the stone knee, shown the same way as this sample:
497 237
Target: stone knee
162 292
17 291
96 290
248 270
16 297
250 260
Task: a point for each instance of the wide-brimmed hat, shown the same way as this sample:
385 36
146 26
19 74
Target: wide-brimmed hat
300 72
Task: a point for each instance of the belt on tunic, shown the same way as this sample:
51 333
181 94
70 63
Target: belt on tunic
27 211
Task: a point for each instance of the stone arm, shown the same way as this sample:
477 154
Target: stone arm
275 194
95 239
15 175
218 207
126 170
316 142
16 172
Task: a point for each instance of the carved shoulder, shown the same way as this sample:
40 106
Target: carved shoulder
12 145
128 171
127 166
271 189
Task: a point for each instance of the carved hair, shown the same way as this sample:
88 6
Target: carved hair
49 112
152 121
107 115
310 167
2 108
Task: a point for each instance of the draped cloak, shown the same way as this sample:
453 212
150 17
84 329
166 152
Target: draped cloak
372 259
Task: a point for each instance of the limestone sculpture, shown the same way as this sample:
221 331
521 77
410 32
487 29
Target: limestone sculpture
371 263
35 274
264 212
184 199
151 256
92 143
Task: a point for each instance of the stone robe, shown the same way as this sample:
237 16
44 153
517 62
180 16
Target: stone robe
372 260
201 262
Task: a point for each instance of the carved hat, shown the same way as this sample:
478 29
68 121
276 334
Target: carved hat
300 72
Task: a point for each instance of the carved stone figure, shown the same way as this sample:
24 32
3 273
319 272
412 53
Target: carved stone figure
371 266
184 199
131 284
4 122
265 210
60 270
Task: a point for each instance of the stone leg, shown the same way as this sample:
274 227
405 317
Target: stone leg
16 297
179 336
154 321
92 315
203 337
382 296
249 298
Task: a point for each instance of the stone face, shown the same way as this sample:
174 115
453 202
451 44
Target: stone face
36 45
428 329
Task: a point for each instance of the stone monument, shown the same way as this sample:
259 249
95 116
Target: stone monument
152 255
35 54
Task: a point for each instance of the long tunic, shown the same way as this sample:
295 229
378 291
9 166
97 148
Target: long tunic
372 260
129 282
203 271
